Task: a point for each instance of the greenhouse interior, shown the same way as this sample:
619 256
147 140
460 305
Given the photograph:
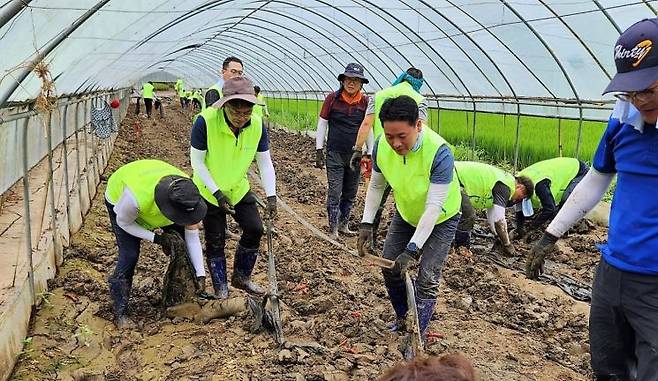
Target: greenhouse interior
311 190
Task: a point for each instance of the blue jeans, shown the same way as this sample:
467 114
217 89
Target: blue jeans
434 253
343 184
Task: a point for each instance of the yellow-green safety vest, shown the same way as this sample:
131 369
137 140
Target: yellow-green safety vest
409 176
228 157
479 179
559 171
258 109
381 96
147 90
141 178
180 87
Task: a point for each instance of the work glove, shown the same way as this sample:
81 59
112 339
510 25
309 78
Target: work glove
355 160
534 265
271 206
364 240
404 261
319 158
223 203
366 167
165 240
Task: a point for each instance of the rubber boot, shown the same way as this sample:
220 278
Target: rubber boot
120 294
243 265
425 311
463 242
344 228
332 215
397 294
217 268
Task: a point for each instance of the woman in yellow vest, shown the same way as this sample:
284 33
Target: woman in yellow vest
485 187
418 164
141 197
148 93
226 138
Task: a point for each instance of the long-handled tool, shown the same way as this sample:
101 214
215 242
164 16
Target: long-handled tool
414 345
271 305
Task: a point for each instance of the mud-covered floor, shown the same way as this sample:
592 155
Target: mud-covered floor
335 304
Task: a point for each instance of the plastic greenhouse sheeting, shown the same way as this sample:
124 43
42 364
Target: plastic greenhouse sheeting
556 49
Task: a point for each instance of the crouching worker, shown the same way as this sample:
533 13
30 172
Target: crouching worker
485 187
143 196
419 166
226 138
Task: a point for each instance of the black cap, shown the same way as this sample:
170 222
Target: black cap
353 70
179 200
636 58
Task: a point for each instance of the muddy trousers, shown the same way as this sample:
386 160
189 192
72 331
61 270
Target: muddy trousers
122 278
148 104
248 218
378 215
343 185
623 324
466 223
434 253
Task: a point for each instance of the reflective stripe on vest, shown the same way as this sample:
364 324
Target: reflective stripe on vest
228 158
559 171
479 179
147 91
403 88
409 176
141 177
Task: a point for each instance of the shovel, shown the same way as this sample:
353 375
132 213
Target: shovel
414 341
270 304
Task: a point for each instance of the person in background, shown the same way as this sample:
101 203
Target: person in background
342 113
232 67
261 111
148 92
623 318
226 138
143 197
554 179
180 90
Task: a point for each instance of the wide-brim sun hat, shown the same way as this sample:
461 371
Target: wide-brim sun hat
179 200
353 70
238 88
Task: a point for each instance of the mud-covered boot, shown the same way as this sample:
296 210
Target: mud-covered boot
333 231
243 265
120 294
343 228
463 243
398 296
217 268
425 311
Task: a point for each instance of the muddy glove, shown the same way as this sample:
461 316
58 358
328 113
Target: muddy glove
534 265
501 232
405 260
165 240
223 203
365 237
271 206
355 160
366 167
319 158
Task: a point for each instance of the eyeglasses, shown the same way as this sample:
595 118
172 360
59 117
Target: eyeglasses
239 114
237 72
637 95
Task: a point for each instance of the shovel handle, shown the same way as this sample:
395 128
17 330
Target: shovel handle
379 261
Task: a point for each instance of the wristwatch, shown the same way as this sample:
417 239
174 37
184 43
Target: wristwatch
412 248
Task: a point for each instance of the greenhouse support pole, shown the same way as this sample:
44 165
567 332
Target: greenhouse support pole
51 184
518 136
66 167
473 137
78 170
298 117
13 8
580 131
438 117
26 211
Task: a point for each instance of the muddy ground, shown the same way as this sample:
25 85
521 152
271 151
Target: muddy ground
335 305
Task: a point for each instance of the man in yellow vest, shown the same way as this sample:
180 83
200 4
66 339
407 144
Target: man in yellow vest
258 109
485 187
554 179
418 164
148 94
226 138
180 90
408 83
141 197
231 67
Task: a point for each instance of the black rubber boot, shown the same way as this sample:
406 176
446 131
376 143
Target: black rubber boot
217 267
243 265
120 294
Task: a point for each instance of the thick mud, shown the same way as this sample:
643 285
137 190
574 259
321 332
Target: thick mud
335 310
